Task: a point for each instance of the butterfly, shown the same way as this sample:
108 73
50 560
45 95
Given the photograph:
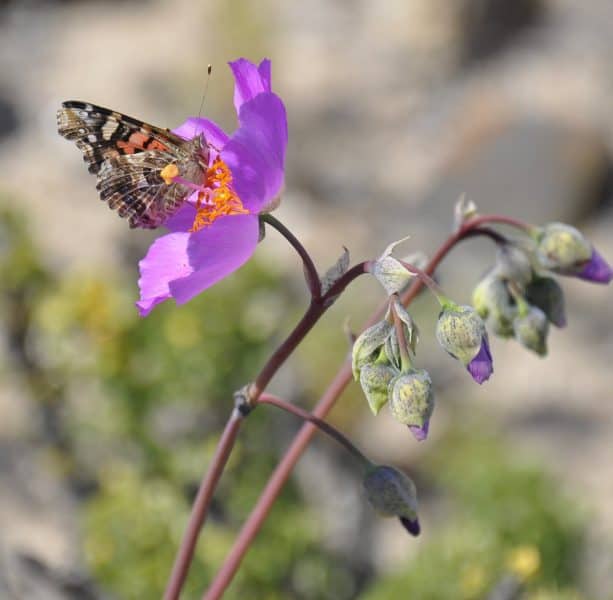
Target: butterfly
128 158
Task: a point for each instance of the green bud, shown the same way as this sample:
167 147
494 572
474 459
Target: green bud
546 294
460 332
493 302
412 399
391 274
391 493
531 330
374 380
514 264
367 344
562 249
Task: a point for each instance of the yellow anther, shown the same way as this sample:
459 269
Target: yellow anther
220 199
169 172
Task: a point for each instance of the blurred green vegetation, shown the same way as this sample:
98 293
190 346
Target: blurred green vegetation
131 410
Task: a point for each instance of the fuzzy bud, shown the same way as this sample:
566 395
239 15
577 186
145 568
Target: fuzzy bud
513 263
412 401
531 330
546 294
374 380
461 332
493 302
390 272
562 249
367 344
393 494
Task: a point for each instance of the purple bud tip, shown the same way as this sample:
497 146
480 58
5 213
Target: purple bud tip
482 366
596 269
412 526
420 433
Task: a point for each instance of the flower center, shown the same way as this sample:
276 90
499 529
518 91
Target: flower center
216 197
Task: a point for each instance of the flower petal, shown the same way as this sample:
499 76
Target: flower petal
412 526
420 433
596 269
182 264
215 136
249 80
482 366
256 151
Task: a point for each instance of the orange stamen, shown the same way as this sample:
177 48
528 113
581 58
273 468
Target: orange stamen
218 199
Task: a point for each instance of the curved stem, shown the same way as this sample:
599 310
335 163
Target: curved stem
314 312
310 271
326 403
402 340
283 470
323 426
200 507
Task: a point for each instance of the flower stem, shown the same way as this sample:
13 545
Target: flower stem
205 493
310 271
405 359
327 401
323 426
200 507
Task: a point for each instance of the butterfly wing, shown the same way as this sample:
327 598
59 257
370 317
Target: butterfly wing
127 157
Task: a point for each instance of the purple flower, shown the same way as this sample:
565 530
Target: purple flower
211 239
596 269
482 366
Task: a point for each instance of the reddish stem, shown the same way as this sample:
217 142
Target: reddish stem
322 425
339 383
201 503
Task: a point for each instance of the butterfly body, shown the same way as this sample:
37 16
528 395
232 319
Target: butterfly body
127 156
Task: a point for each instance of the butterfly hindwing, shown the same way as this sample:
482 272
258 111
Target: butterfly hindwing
127 156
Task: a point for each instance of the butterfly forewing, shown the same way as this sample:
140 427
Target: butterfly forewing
127 157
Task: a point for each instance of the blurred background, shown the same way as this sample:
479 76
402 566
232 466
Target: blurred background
395 108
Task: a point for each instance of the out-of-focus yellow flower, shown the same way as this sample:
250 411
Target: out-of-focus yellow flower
473 581
524 561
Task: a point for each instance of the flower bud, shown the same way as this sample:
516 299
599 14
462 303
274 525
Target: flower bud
367 344
393 494
562 249
492 300
461 332
390 272
374 380
531 330
412 401
513 263
546 294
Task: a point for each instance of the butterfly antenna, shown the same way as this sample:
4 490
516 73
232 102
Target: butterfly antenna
209 70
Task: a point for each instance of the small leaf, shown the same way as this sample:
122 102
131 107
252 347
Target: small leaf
464 210
335 272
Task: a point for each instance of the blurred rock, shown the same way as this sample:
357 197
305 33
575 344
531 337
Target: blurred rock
535 168
490 25
9 122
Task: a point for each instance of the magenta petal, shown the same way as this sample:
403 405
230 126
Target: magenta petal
249 80
482 366
215 136
181 264
596 269
256 151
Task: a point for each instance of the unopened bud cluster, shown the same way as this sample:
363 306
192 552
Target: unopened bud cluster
518 298
383 354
